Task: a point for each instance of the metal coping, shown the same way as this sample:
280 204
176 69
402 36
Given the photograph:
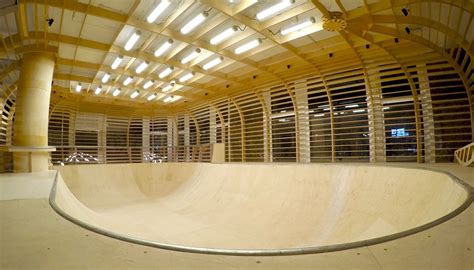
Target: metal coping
276 252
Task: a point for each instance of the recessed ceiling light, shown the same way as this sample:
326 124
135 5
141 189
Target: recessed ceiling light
117 62
132 40
194 22
248 46
158 10
163 48
224 35
213 63
266 13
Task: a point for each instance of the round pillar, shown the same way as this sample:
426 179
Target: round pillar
32 110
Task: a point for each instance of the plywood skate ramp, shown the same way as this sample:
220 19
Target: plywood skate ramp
260 209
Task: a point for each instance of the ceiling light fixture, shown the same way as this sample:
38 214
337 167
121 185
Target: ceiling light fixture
142 67
248 46
158 10
298 26
98 90
167 88
134 94
117 62
358 111
213 63
191 56
148 84
224 35
194 22
166 72
168 99
274 9
116 92
78 87
163 48
128 80
352 106
132 40
151 97
106 77
187 76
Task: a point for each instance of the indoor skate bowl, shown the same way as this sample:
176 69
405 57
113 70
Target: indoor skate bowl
256 209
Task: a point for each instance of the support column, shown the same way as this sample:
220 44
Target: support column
32 109
301 95
427 110
375 110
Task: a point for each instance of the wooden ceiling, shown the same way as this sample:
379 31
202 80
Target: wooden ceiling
89 35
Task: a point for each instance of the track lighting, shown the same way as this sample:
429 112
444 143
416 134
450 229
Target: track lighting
224 35
163 48
194 22
117 62
158 10
274 9
213 63
132 40
248 46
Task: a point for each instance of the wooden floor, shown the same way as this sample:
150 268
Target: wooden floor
34 237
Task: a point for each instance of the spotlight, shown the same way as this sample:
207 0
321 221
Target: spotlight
408 30
330 55
367 46
50 21
396 40
405 11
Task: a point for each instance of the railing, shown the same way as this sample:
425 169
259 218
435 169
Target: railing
465 155
118 154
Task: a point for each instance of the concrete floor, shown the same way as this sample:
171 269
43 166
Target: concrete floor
33 236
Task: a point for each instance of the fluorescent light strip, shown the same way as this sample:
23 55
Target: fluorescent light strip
168 99
274 9
167 88
106 77
187 77
352 106
358 111
132 40
158 10
224 35
163 48
151 97
116 92
194 22
213 63
117 62
191 56
142 67
134 94
248 46
148 84
298 26
128 81
98 90
78 87
166 72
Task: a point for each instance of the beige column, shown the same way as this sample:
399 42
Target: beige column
32 109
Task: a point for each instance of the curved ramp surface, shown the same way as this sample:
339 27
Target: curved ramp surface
256 209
